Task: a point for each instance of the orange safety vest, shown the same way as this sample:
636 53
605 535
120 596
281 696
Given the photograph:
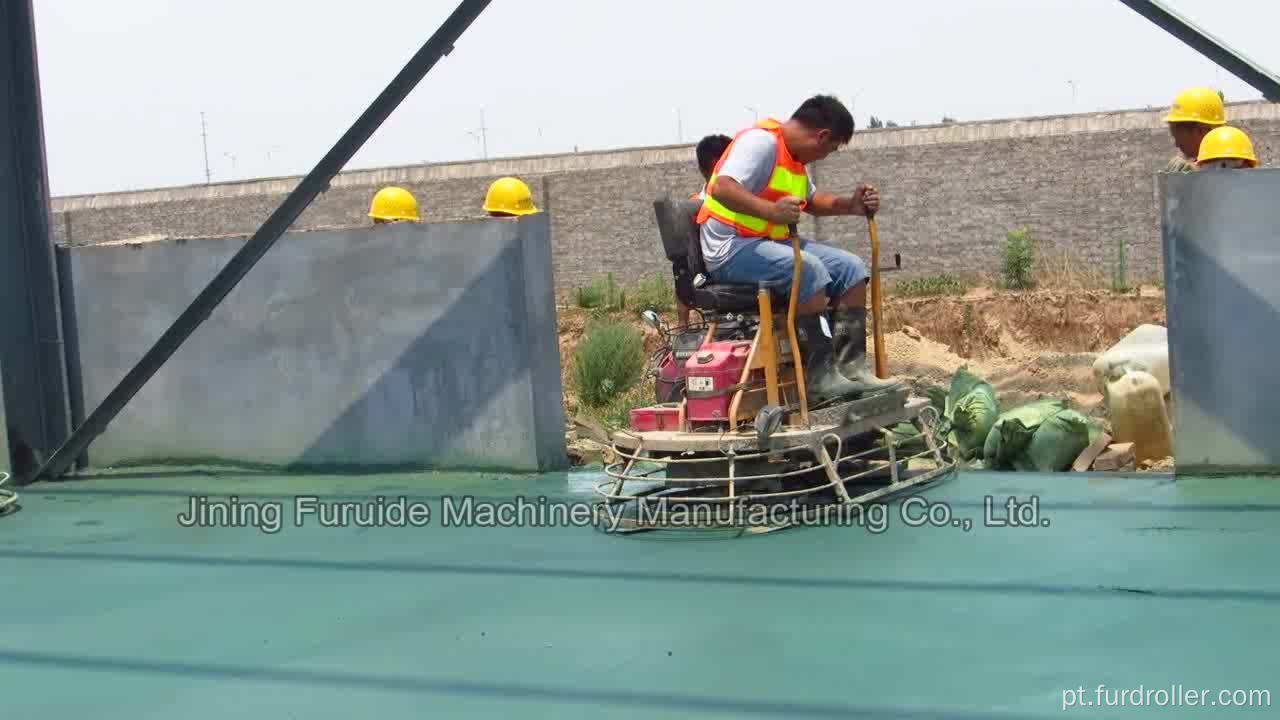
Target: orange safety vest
788 178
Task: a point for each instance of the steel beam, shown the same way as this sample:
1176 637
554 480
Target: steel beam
1202 42
34 373
316 182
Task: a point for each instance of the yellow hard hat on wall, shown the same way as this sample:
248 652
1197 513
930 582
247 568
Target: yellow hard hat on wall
1198 105
509 196
394 203
1227 143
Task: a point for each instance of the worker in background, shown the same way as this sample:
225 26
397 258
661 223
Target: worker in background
708 152
509 197
1195 112
1226 148
754 199
393 204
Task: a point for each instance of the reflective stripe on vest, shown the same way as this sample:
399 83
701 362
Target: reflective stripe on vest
788 178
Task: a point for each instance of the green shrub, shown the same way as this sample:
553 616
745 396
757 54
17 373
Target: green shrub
1018 257
1120 266
618 412
656 293
588 297
608 361
933 285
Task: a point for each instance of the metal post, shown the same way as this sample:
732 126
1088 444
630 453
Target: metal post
1202 42
204 139
71 338
316 182
35 387
6 460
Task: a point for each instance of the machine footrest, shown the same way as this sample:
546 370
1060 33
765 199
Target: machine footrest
843 413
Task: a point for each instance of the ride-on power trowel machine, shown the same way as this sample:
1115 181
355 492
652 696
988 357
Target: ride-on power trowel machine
731 441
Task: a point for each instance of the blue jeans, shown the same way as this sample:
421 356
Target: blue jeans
823 267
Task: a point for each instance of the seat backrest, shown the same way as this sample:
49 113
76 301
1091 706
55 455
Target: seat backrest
681 235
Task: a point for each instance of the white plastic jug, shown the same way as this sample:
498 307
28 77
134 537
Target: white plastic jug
1139 415
1146 349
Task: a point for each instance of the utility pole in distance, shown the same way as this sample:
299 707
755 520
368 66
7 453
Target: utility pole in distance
204 135
482 136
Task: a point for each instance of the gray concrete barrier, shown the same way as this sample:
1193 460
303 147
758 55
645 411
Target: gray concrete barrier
1221 232
408 345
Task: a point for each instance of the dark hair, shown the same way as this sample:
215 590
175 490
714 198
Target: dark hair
824 112
710 148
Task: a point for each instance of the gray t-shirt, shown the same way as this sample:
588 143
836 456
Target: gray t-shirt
750 162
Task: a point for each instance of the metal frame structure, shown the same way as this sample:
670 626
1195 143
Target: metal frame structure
32 339
317 181
720 503
1211 47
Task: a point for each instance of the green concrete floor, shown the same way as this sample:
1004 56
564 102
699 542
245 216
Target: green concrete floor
110 609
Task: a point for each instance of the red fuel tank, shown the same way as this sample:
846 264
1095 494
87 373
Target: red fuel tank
656 417
709 373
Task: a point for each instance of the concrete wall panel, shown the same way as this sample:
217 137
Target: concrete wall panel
416 345
1222 257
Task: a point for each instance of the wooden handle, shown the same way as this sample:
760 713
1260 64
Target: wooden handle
877 300
791 330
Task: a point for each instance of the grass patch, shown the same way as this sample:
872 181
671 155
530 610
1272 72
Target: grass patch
931 285
656 293
607 363
604 294
1060 267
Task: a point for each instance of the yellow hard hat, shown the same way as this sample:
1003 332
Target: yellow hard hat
509 195
1227 143
1199 105
394 203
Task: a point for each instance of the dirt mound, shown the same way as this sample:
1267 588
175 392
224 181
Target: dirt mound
1023 376
1027 345
1006 324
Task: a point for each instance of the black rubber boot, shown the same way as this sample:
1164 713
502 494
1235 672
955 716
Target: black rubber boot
849 333
822 381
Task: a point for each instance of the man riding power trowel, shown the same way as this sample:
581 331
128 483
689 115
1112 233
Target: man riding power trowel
754 199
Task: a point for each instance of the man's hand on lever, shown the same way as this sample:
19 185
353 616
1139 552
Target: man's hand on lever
866 200
786 210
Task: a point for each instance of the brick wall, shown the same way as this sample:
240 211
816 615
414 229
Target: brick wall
1081 183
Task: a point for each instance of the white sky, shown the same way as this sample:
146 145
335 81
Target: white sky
124 82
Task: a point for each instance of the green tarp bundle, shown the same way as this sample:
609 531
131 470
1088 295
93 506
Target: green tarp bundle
1043 436
971 410
966 411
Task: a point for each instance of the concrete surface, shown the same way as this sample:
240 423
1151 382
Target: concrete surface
1222 258
402 345
112 610
1029 172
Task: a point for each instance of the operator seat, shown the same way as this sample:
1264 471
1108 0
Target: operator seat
681 241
